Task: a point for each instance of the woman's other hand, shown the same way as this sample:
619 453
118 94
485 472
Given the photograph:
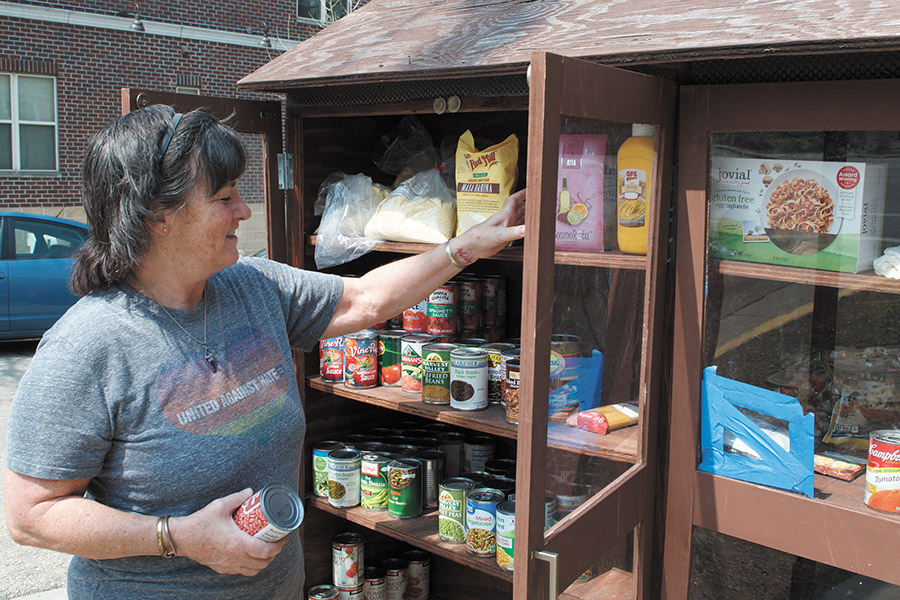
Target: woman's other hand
492 235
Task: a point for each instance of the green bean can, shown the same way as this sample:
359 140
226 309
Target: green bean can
343 478
452 508
436 373
506 534
404 488
373 486
481 521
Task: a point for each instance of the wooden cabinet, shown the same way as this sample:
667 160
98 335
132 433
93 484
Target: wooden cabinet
610 301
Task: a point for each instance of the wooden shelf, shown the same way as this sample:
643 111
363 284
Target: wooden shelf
607 260
855 281
621 445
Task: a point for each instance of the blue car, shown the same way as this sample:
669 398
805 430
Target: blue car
36 256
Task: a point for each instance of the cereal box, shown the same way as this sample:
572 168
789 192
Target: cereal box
580 222
820 215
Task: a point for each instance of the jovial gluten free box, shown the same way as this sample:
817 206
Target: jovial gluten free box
820 215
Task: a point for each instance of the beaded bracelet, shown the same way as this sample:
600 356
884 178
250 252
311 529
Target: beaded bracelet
450 256
164 539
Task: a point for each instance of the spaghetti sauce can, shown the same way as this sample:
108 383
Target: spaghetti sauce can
271 513
442 310
415 318
883 471
361 359
331 358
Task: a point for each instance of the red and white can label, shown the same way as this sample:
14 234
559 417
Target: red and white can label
415 318
883 470
347 561
331 358
361 360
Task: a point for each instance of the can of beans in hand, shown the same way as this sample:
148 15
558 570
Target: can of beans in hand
404 488
331 358
347 560
433 473
271 513
396 577
442 310
373 487
419 575
495 376
436 373
505 357
374 585
481 521
361 359
477 450
324 592
320 453
411 348
415 318
882 489
468 379
512 381
506 534
452 508
452 446
343 477
389 367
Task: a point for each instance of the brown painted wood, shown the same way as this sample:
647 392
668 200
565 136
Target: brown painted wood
854 281
414 39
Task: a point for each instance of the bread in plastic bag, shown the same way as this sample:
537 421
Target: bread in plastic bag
421 210
349 204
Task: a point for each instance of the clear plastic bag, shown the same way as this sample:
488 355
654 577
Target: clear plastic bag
422 210
409 150
349 204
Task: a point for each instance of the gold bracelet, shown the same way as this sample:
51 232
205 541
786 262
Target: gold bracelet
450 256
164 539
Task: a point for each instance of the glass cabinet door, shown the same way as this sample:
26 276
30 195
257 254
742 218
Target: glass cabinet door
595 251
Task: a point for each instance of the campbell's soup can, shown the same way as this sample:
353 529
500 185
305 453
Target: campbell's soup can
320 453
389 365
374 587
411 348
271 513
323 592
347 560
418 586
883 470
442 310
331 358
415 318
361 359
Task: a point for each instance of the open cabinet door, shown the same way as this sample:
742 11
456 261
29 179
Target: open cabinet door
592 332
259 123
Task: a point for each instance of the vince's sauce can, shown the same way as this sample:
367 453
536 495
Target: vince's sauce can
361 359
418 585
331 358
347 560
389 367
883 470
271 513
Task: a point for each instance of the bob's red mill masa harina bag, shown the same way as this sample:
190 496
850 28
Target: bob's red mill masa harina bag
484 179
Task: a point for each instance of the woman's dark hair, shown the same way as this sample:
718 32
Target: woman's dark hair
130 176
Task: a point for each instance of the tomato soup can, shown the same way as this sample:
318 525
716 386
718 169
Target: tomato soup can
343 477
418 585
331 358
451 444
361 359
883 470
389 367
505 357
373 487
347 560
396 578
506 534
374 584
452 508
320 453
324 592
436 373
271 513
481 521
415 318
477 450
411 348
468 379
442 310
495 376
404 488
512 381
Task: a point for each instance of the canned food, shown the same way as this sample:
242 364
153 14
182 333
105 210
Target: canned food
361 359
477 476
389 367
379 433
505 467
471 342
396 577
320 453
501 484
495 376
505 357
478 449
436 373
415 318
331 358
411 346
436 428
351 593
418 585
506 534
512 380
569 498
442 310
493 293
343 477
368 446
324 592
452 508
451 444
271 513
883 470
353 440
404 488
433 473
563 349
347 560
374 584
373 487
481 521
468 379
471 307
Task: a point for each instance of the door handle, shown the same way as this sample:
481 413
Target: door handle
552 559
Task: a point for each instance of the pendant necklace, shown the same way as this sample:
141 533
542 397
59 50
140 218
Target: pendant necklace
208 354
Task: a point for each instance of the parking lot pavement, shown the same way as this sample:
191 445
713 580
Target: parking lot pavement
25 573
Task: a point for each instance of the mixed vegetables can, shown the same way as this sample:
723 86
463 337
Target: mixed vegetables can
481 521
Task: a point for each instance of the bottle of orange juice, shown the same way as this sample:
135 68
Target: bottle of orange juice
633 198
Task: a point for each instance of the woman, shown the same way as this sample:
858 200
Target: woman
168 389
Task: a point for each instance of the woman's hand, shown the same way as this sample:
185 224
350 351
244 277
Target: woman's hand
212 538
492 235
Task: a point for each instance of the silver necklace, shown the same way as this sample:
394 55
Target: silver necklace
208 354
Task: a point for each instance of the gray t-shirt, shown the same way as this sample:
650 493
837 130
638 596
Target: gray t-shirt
118 393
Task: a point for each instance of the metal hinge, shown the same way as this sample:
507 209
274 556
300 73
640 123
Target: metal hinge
285 171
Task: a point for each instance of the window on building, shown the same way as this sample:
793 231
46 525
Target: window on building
194 91
325 11
28 122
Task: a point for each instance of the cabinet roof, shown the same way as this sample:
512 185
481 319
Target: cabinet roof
388 40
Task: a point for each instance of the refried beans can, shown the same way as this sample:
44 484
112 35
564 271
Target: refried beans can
389 367
468 379
418 585
324 592
415 318
271 513
411 347
331 358
361 359
436 373
347 560
883 471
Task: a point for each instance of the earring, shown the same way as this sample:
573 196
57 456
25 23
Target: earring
165 230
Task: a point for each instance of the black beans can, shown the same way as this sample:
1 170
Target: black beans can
404 488
433 474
